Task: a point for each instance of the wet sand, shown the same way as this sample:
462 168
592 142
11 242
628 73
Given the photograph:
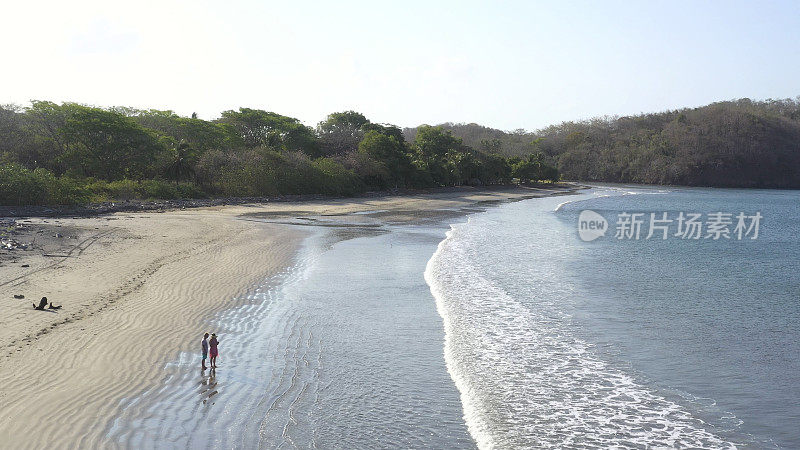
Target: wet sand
135 290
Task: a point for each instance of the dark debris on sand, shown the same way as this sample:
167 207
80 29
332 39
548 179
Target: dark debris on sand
20 238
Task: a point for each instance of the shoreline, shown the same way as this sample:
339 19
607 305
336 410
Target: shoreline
130 303
166 205
142 312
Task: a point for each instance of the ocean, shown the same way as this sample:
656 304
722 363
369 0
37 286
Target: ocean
558 342
502 328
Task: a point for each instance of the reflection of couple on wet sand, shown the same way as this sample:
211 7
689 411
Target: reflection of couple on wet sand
208 385
210 349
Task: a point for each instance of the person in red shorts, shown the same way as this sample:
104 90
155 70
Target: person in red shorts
214 351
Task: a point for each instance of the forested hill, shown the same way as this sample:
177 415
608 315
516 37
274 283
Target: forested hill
71 153
739 143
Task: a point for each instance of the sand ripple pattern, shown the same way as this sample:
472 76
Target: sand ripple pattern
268 375
114 331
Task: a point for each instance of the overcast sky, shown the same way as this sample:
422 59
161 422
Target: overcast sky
512 64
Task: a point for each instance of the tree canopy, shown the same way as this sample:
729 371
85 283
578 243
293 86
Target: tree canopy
257 128
341 132
71 152
740 143
76 153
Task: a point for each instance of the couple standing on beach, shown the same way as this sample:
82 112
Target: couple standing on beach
210 344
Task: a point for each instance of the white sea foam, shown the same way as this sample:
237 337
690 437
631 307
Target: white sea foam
611 191
476 425
560 205
526 380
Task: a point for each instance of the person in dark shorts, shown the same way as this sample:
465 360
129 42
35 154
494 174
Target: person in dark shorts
204 344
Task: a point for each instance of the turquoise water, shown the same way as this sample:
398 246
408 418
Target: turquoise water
553 341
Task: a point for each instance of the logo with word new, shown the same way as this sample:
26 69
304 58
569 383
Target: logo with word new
688 226
591 225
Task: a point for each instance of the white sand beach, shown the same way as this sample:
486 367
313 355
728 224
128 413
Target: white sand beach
134 288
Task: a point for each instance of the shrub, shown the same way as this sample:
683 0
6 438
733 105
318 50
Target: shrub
20 186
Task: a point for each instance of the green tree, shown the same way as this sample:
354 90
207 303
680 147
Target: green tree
16 141
495 170
386 129
436 151
257 128
198 134
107 145
341 132
181 166
534 168
391 154
46 122
491 145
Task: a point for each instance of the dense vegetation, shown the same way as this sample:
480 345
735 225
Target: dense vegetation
72 153
739 143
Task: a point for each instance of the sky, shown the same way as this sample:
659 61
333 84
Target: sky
503 64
